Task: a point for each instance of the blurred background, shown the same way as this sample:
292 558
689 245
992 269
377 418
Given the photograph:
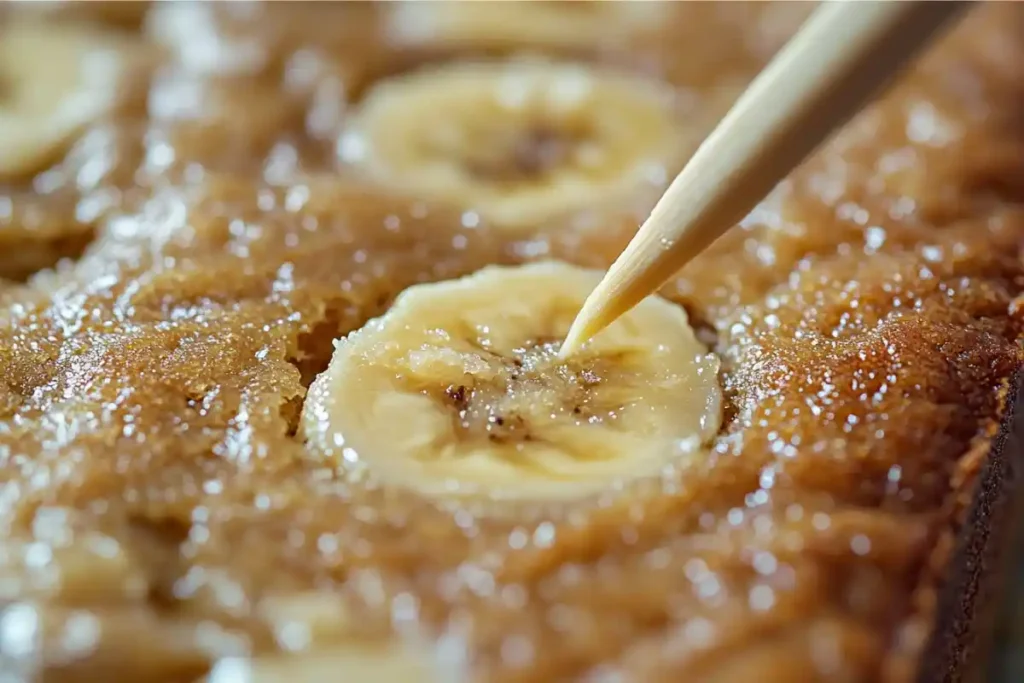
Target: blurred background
1008 660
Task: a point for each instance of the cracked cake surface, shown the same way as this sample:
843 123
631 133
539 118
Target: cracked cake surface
171 285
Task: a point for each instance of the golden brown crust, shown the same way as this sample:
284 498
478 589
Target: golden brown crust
867 315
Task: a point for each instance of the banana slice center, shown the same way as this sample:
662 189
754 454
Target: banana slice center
514 405
458 391
505 156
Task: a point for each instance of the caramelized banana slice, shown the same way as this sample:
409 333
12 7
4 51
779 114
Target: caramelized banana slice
54 80
509 25
356 664
124 14
519 142
458 391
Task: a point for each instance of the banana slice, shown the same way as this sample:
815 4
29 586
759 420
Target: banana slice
521 141
362 665
54 80
127 15
458 392
574 24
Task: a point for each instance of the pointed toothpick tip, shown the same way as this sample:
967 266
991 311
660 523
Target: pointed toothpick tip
574 339
588 321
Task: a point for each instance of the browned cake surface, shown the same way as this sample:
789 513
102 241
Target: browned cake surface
156 505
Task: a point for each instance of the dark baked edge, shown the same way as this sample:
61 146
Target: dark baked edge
973 560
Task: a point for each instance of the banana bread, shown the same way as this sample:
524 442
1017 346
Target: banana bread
178 258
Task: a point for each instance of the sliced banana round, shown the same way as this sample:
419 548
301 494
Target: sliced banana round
54 80
458 392
317 634
572 24
520 141
127 15
349 663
